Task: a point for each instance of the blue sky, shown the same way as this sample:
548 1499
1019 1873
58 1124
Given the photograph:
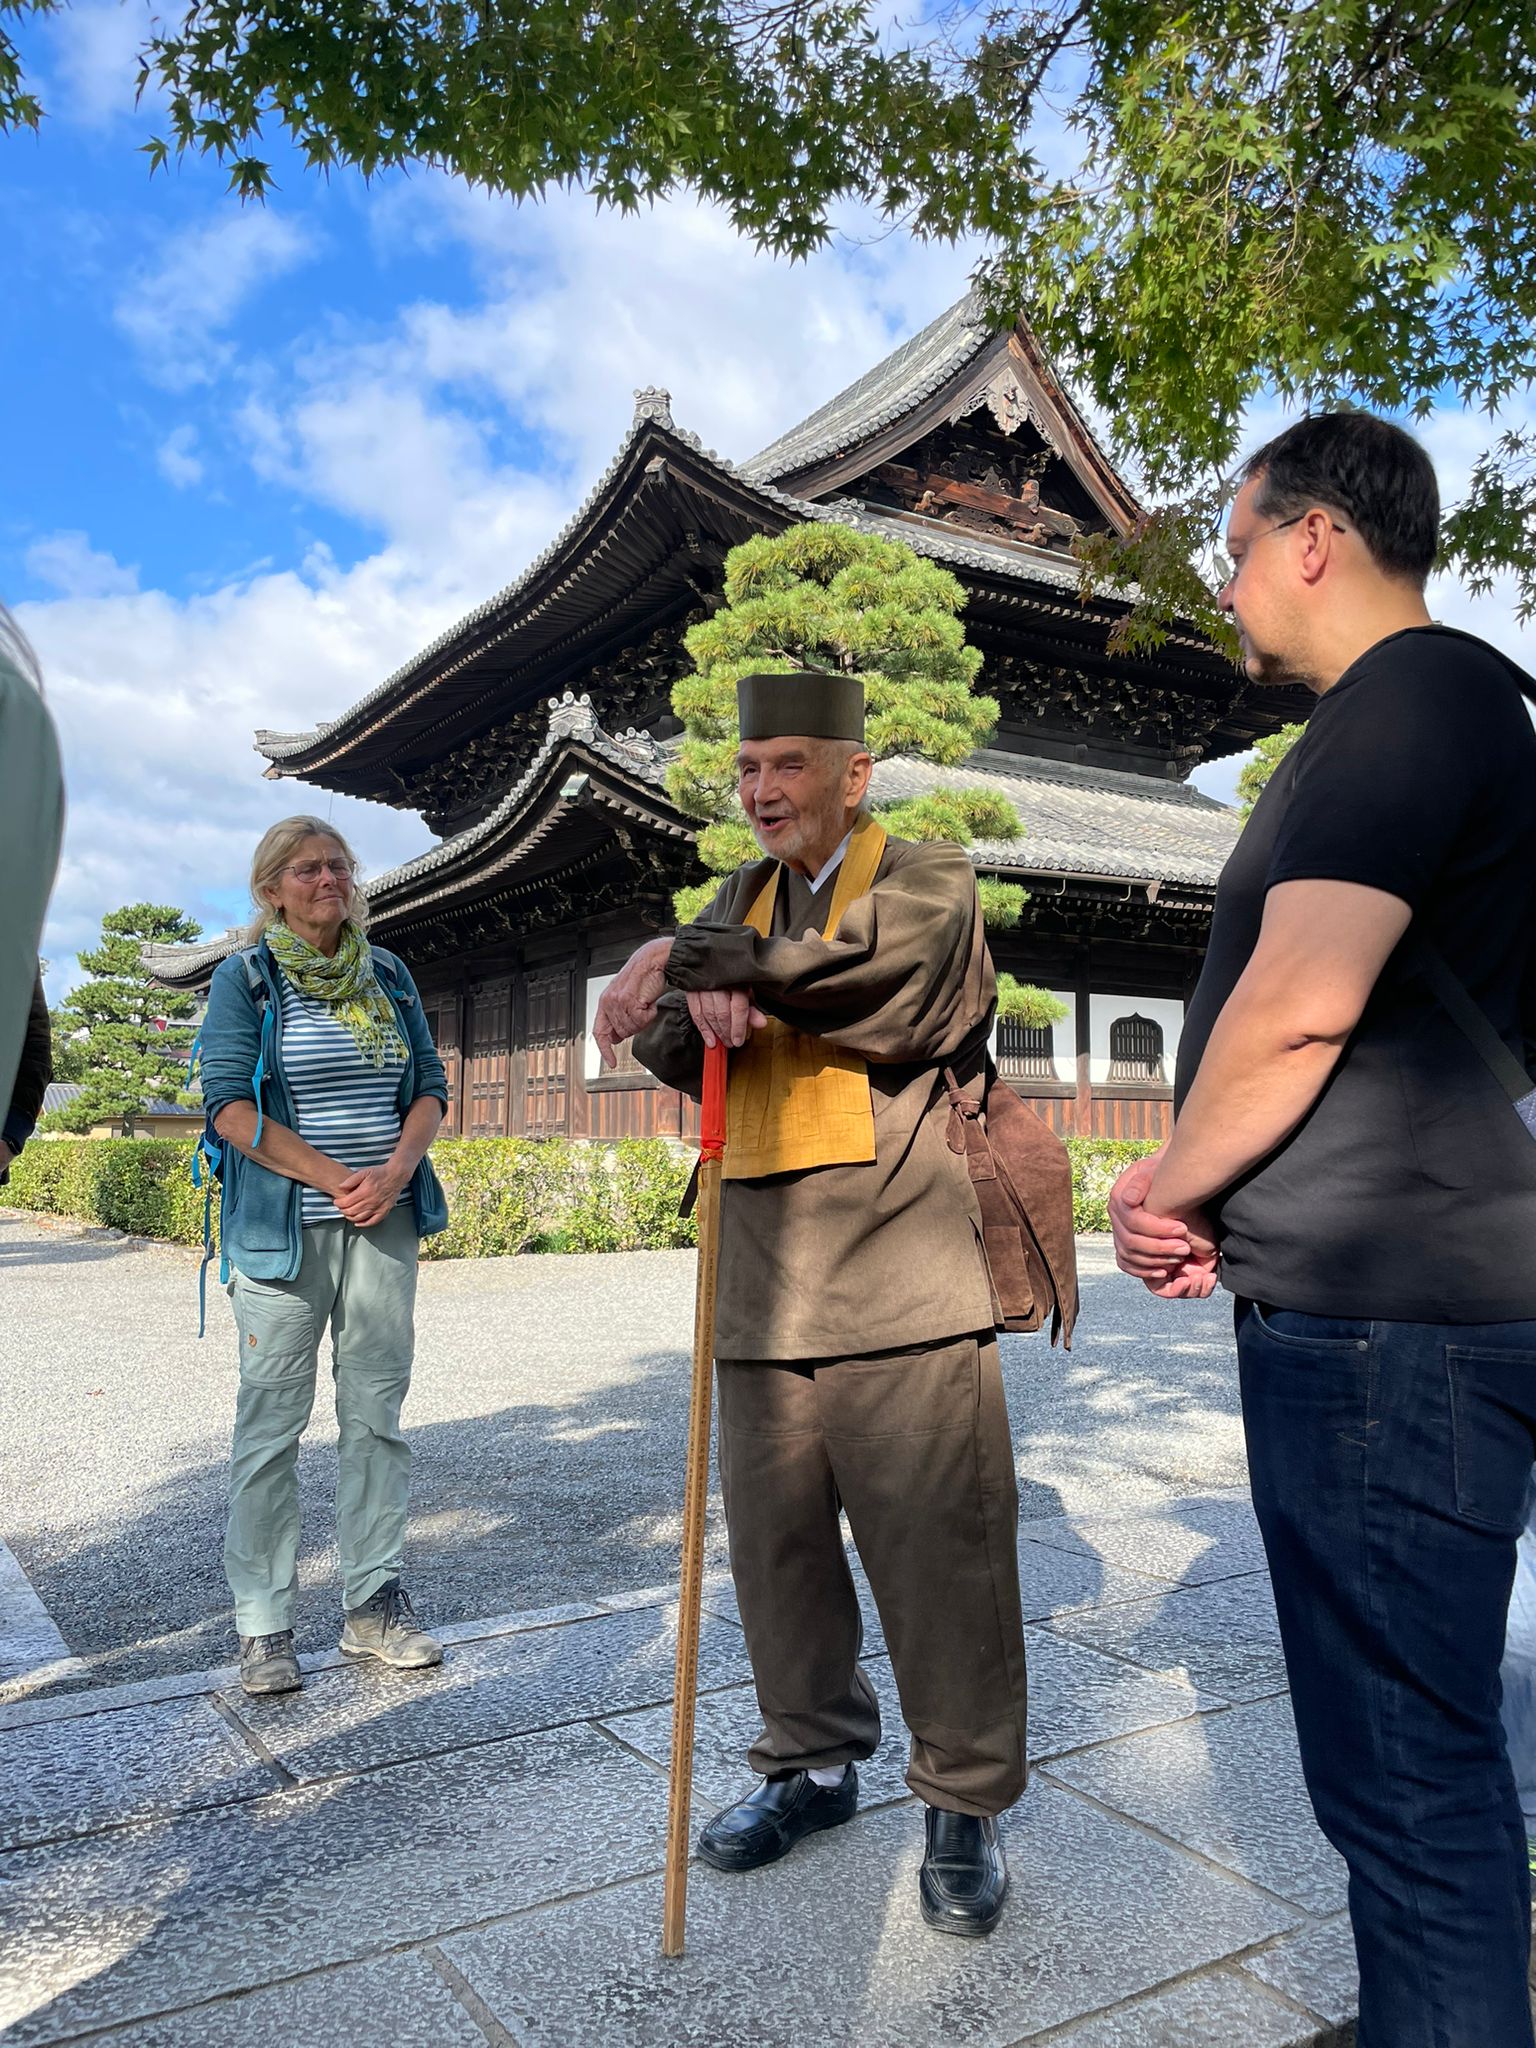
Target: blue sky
257 457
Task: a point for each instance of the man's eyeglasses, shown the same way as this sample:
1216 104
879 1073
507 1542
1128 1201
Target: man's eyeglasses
311 870
1229 571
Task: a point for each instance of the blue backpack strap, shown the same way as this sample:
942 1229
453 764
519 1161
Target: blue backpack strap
207 1153
261 995
260 1073
207 1167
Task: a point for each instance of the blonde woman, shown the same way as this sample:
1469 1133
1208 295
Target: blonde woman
323 1086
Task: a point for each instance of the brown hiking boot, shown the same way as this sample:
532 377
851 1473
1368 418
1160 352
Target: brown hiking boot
267 1663
386 1627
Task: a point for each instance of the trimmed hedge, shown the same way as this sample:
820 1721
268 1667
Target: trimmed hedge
1097 1164
505 1195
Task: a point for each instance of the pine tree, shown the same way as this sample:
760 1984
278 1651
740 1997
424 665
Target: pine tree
136 1034
827 597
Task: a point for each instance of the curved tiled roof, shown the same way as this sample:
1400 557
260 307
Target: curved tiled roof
636 754
1016 563
1084 821
883 395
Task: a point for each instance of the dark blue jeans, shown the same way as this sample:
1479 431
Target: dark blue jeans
1389 1464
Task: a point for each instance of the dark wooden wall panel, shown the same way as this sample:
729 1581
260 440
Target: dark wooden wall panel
489 1061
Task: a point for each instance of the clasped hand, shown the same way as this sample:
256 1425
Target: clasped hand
1174 1257
368 1194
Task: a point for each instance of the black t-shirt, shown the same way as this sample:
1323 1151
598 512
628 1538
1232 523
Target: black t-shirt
1409 1191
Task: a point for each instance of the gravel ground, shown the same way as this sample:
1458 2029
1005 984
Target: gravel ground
546 1416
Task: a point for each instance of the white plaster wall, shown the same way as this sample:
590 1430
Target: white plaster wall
1102 1012
592 1059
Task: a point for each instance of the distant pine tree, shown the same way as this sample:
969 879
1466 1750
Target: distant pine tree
134 1051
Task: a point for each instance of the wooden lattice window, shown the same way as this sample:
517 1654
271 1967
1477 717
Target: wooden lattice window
1024 1051
1136 1049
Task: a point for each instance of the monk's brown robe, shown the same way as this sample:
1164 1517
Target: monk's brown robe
857 1365
846 1259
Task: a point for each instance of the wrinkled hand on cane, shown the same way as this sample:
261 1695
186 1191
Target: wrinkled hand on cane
695 1501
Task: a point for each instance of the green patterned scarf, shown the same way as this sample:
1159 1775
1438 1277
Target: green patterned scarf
348 986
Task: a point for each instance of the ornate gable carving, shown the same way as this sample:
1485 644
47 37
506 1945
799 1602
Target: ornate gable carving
1008 401
988 476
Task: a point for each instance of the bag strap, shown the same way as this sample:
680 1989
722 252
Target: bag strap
1497 1057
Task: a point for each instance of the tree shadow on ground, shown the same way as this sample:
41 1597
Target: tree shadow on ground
533 1505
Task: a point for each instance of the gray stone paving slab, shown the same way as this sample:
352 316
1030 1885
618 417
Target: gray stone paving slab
1190 1543
395 2002
110 1929
104 1769
1077 1696
514 1624
355 1720
728 1724
33 1654
1054 1581
1222 1636
828 1947
1219 2009
1316 1967
1230 1786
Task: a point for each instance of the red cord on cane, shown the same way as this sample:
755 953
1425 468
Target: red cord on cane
712 1114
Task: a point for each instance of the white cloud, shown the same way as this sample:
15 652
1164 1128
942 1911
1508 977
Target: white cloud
176 308
92 55
177 459
582 307
157 700
68 563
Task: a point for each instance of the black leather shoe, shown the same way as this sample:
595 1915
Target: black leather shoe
964 1878
768 1822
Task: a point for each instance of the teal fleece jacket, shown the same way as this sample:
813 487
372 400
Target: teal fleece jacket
241 1060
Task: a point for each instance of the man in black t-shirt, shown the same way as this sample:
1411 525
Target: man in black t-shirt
1345 1157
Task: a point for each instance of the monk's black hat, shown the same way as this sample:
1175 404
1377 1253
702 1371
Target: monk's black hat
815 702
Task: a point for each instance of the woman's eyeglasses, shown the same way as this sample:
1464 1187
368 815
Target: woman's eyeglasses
312 870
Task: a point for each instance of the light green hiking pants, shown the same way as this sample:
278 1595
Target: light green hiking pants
363 1283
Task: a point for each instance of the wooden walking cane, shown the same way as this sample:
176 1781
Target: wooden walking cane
695 1501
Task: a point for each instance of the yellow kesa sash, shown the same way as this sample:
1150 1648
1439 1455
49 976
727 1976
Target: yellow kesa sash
794 1101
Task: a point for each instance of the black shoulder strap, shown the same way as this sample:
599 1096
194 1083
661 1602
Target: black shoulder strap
1506 1069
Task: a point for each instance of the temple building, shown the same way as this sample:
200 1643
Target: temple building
533 737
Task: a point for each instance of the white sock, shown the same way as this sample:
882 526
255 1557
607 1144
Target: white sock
828 1777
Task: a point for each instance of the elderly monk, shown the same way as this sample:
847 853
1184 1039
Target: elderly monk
857 1364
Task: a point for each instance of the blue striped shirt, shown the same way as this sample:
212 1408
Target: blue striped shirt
346 1106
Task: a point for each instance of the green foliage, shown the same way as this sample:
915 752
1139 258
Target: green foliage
825 596
1097 1164
1002 903
1268 754
68 1049
956 815
127 1060
687 903
821 595
1333 200
627 1199
1019 1003
505 1195
509 1195
139 1185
